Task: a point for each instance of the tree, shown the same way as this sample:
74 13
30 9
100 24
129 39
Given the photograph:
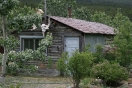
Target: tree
78 66
101 17
14 18
5 7
60 8
123 38
110 73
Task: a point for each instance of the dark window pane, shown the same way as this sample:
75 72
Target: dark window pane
37 43
26 44
31 43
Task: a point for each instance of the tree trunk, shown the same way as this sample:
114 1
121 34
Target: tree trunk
76 85
4 59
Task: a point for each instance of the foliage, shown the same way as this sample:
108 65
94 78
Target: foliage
18 60
15 18
6 6
32 3
108 6
23 18
11 85
82 13
101 17
62 63
12 68
111 54
80 65
11 42
61 9
99 54
50 62
86 82
44 43
58 7
123 39
110 72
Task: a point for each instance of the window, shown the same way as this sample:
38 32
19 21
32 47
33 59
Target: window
29 42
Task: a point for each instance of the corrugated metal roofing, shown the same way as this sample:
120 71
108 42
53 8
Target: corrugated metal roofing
85 26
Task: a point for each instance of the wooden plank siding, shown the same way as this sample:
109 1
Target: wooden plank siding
59 33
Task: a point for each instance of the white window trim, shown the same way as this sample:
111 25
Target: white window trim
31 37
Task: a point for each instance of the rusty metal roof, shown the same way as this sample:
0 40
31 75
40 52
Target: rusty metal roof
85 26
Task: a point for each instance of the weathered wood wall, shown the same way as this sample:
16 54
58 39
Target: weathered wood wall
59 33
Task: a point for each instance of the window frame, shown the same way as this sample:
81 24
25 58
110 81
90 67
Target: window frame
28 37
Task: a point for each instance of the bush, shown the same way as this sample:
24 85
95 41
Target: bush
110 72
80 65
99 57
111 54
62 64
17 61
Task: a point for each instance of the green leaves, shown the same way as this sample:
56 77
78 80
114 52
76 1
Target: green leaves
81 13
58 7
20 58
23 18
10 43
123 38
112 72
6 6
44 43
101 17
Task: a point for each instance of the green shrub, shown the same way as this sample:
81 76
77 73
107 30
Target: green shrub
86 82
80 65
62 64
12 68
110 72
111 54
99 57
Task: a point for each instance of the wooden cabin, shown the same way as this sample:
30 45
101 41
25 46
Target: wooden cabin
68 34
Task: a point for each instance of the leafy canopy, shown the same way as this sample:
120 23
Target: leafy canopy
23 18
123 38
7 5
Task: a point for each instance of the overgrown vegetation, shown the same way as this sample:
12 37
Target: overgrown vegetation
16 61
15 18
108 6
92 66
81 64
109 72
78 66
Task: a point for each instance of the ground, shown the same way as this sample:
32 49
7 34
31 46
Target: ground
39 82
49 82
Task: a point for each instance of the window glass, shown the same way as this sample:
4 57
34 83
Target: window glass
31 43
26 44
37 43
